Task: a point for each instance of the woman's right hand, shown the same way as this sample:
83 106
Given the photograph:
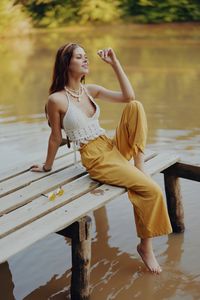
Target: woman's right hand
108 55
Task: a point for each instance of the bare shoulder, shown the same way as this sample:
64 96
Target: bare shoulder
56 97
93 89
57 102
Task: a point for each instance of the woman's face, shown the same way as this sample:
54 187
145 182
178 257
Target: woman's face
79 62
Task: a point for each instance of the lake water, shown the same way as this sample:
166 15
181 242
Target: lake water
163 64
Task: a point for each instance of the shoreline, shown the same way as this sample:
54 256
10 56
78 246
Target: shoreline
111 26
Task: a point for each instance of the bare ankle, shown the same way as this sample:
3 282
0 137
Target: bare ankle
146 244
146 252
139 161
139 158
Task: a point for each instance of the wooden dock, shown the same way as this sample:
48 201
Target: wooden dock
28 215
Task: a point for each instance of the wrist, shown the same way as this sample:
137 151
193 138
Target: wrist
115 63
45 169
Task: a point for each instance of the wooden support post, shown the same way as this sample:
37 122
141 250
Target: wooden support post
6 283
186 171
80 233
174 201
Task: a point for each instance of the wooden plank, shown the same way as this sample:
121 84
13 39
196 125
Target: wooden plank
25 178
185 170
42 205
161 162
62 151
149 154
28 177
28 193
21 168
64 216
36 209
35 189
56 220
45 184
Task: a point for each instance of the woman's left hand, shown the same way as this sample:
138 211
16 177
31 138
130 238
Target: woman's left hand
108 55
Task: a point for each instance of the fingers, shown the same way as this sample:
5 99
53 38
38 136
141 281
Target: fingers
107 55
36 168
104 53
101 53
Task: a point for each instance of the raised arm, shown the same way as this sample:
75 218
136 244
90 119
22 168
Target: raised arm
126 94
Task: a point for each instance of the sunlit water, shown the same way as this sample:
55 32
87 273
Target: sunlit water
163 65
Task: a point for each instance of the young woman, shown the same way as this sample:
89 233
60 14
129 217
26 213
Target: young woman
71 107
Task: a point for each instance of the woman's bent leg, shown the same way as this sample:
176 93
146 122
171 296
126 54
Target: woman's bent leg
130 139
131 132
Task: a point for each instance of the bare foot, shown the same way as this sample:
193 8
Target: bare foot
149 259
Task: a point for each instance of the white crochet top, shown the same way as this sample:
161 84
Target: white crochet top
80 128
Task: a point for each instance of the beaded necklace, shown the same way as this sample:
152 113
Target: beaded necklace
75 93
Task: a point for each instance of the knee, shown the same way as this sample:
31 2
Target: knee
156 191
134 105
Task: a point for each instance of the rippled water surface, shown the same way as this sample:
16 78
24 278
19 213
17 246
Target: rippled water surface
163 65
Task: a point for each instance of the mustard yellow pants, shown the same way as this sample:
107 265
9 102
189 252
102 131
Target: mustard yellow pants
107 160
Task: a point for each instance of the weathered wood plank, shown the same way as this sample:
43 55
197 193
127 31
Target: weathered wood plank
185 170
56 220
149 154
35 189
42 205
64 216
27 178
23 181
21 168
161 162
26 194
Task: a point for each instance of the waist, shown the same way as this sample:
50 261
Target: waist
82 135
103 141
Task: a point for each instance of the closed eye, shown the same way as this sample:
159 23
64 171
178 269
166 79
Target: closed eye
80 56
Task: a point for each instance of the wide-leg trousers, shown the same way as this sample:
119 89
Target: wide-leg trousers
107 160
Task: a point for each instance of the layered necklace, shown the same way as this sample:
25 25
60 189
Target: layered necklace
75 93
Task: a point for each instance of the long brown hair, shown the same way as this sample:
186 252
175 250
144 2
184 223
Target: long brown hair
61 66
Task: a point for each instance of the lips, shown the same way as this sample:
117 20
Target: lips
85 66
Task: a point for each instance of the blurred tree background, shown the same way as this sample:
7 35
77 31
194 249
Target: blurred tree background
13 18
21 15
